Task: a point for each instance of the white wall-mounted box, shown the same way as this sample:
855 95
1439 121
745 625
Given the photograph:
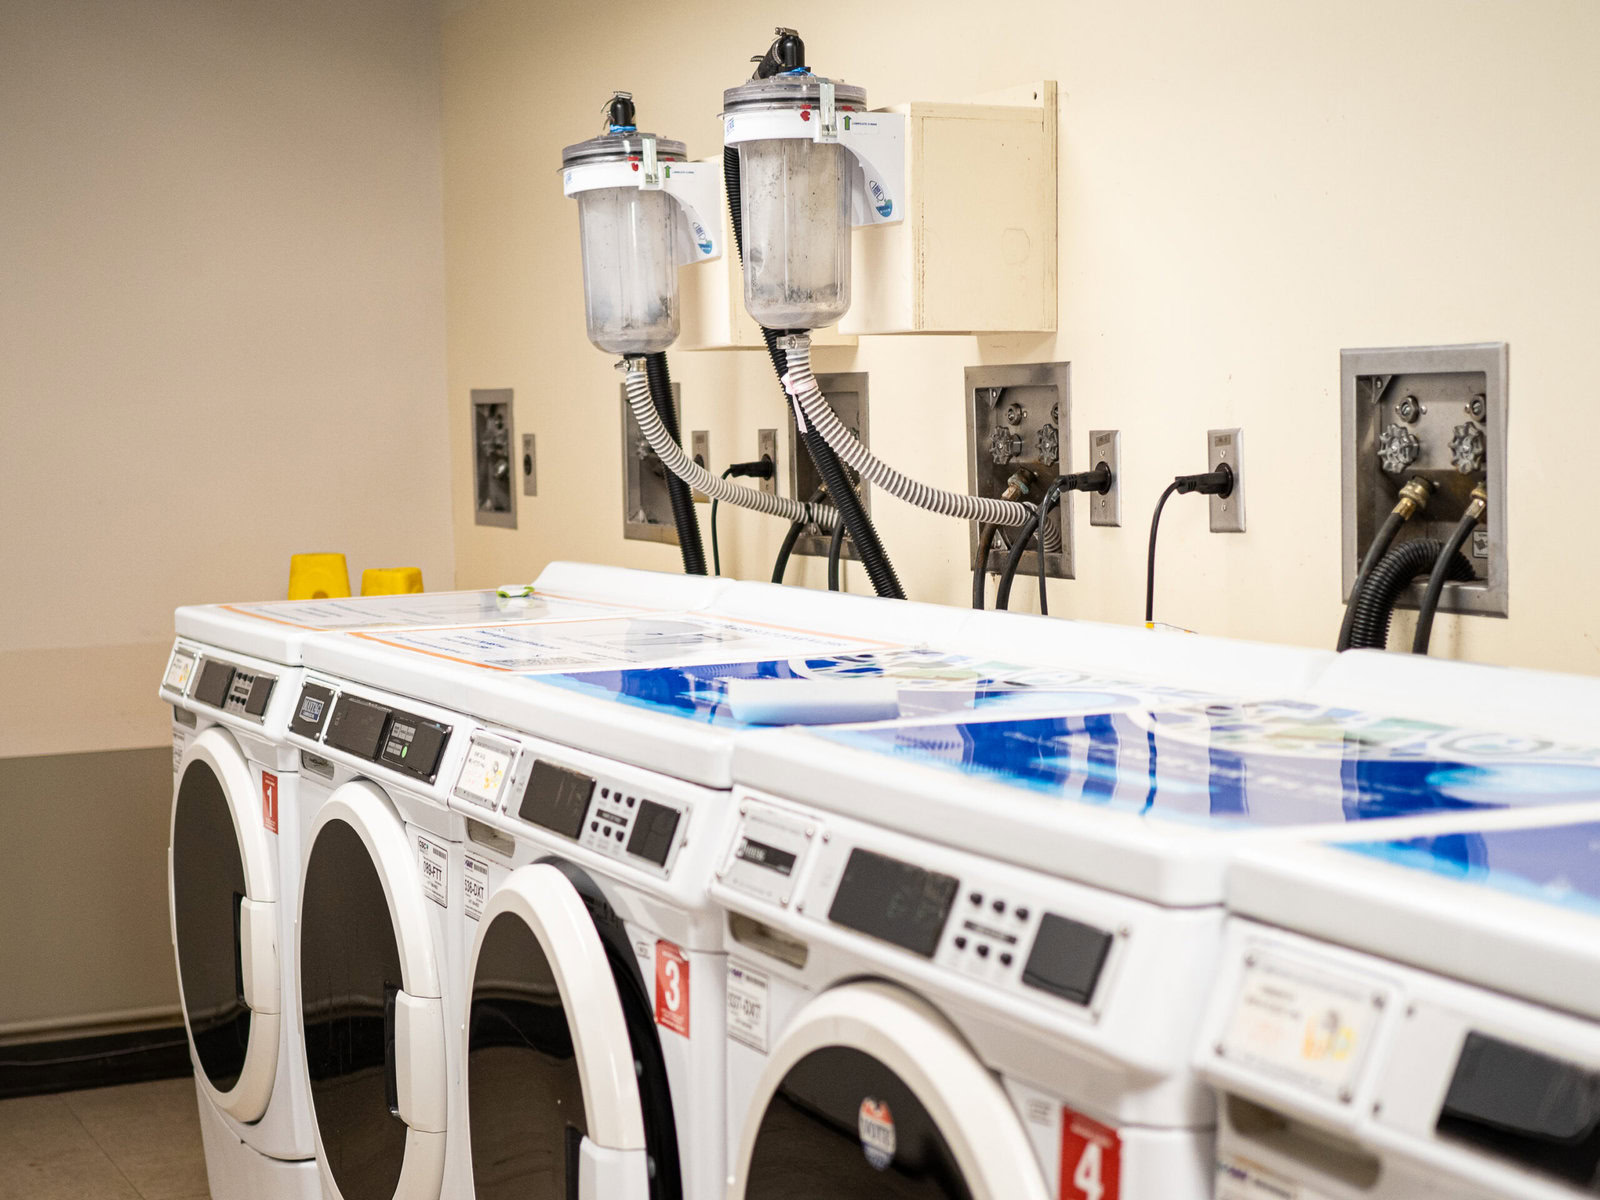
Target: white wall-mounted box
711 299
977 252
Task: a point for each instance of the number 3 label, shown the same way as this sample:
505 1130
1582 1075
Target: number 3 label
672 988
1091 1159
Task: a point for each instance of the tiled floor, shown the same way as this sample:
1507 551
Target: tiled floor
140 1142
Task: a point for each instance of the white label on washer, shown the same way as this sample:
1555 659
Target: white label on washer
475 887
179 670
768 852
483 774
433 860
1240 1179
177 751
1302 1026
747 1006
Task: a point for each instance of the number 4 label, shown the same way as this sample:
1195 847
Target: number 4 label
1091 1159
672 988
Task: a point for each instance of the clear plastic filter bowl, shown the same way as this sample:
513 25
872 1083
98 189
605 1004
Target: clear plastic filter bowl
630 268
795 208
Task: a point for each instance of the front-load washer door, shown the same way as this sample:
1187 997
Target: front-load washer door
869 1092
223 892
373 1016
553 1107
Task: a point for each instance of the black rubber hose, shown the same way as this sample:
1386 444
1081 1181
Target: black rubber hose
1442 567
1374 605
1008 573
683 514
1375 552
780 565
862 532
1150 562
835 549
716 549
986 536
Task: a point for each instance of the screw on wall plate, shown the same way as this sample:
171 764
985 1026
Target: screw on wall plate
1015 413
1477 408
1408 410
1398 448
993 395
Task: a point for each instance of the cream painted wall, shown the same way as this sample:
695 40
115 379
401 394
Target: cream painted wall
221 328
1245 187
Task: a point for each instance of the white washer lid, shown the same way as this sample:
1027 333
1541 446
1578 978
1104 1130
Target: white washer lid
1510 901
1152 804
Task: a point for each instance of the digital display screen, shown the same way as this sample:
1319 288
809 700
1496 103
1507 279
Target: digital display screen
894 901
356 727
652 832
414 744
1067 958
260 693
215 678
556 798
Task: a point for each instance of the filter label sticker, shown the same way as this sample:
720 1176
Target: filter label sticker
672 988
1240 1179
1302 1026
269 801
179 670
433 861
483 774
875 1127
1091 1158
747 1006
474 887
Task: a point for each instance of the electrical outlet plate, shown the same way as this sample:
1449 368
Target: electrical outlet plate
1431 393
1227 446
846 392
1020 417
767 448
1105 446
646 503
530 467
700 451
494 493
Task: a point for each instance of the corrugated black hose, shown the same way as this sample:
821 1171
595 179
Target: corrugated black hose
1374 605
862 532
683 514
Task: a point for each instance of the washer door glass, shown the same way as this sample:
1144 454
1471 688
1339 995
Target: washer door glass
843 1125
349 977
208 887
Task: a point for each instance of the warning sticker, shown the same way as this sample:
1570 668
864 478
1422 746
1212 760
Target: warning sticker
672 988
269 801
475 887
433 860
483 773
1091 1158
747 1006
1240 1179
875 1126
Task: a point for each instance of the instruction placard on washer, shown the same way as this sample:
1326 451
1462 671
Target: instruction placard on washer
179 670
475 887
747 1006
1303 1026
768 853
483 773
433 861
1240 1179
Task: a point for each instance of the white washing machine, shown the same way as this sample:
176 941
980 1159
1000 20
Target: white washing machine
586 718
1414 1017
234 672
924 913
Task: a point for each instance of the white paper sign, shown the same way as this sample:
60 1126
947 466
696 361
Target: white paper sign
1302 1026
747 1005
179 670
1240 1179
475 887
433 861
483 774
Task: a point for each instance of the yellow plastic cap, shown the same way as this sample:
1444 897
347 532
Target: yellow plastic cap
318 577
391 581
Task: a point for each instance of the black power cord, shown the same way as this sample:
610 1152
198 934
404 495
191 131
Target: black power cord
1207 483
835 549
1098 480
1445 567
759 469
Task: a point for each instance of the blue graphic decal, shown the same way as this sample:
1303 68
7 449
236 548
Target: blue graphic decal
1269 764
1557 864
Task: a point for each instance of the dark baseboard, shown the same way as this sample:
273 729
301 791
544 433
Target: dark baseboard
38 1068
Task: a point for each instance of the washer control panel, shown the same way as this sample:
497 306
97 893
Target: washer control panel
223 685
370 730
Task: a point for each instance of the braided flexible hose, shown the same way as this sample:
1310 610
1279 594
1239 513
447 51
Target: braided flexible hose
824 516
811 407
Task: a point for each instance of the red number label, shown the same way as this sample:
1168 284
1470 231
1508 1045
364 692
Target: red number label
672 988
1091 1159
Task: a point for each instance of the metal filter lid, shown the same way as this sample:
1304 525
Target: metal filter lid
794 89
620 146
